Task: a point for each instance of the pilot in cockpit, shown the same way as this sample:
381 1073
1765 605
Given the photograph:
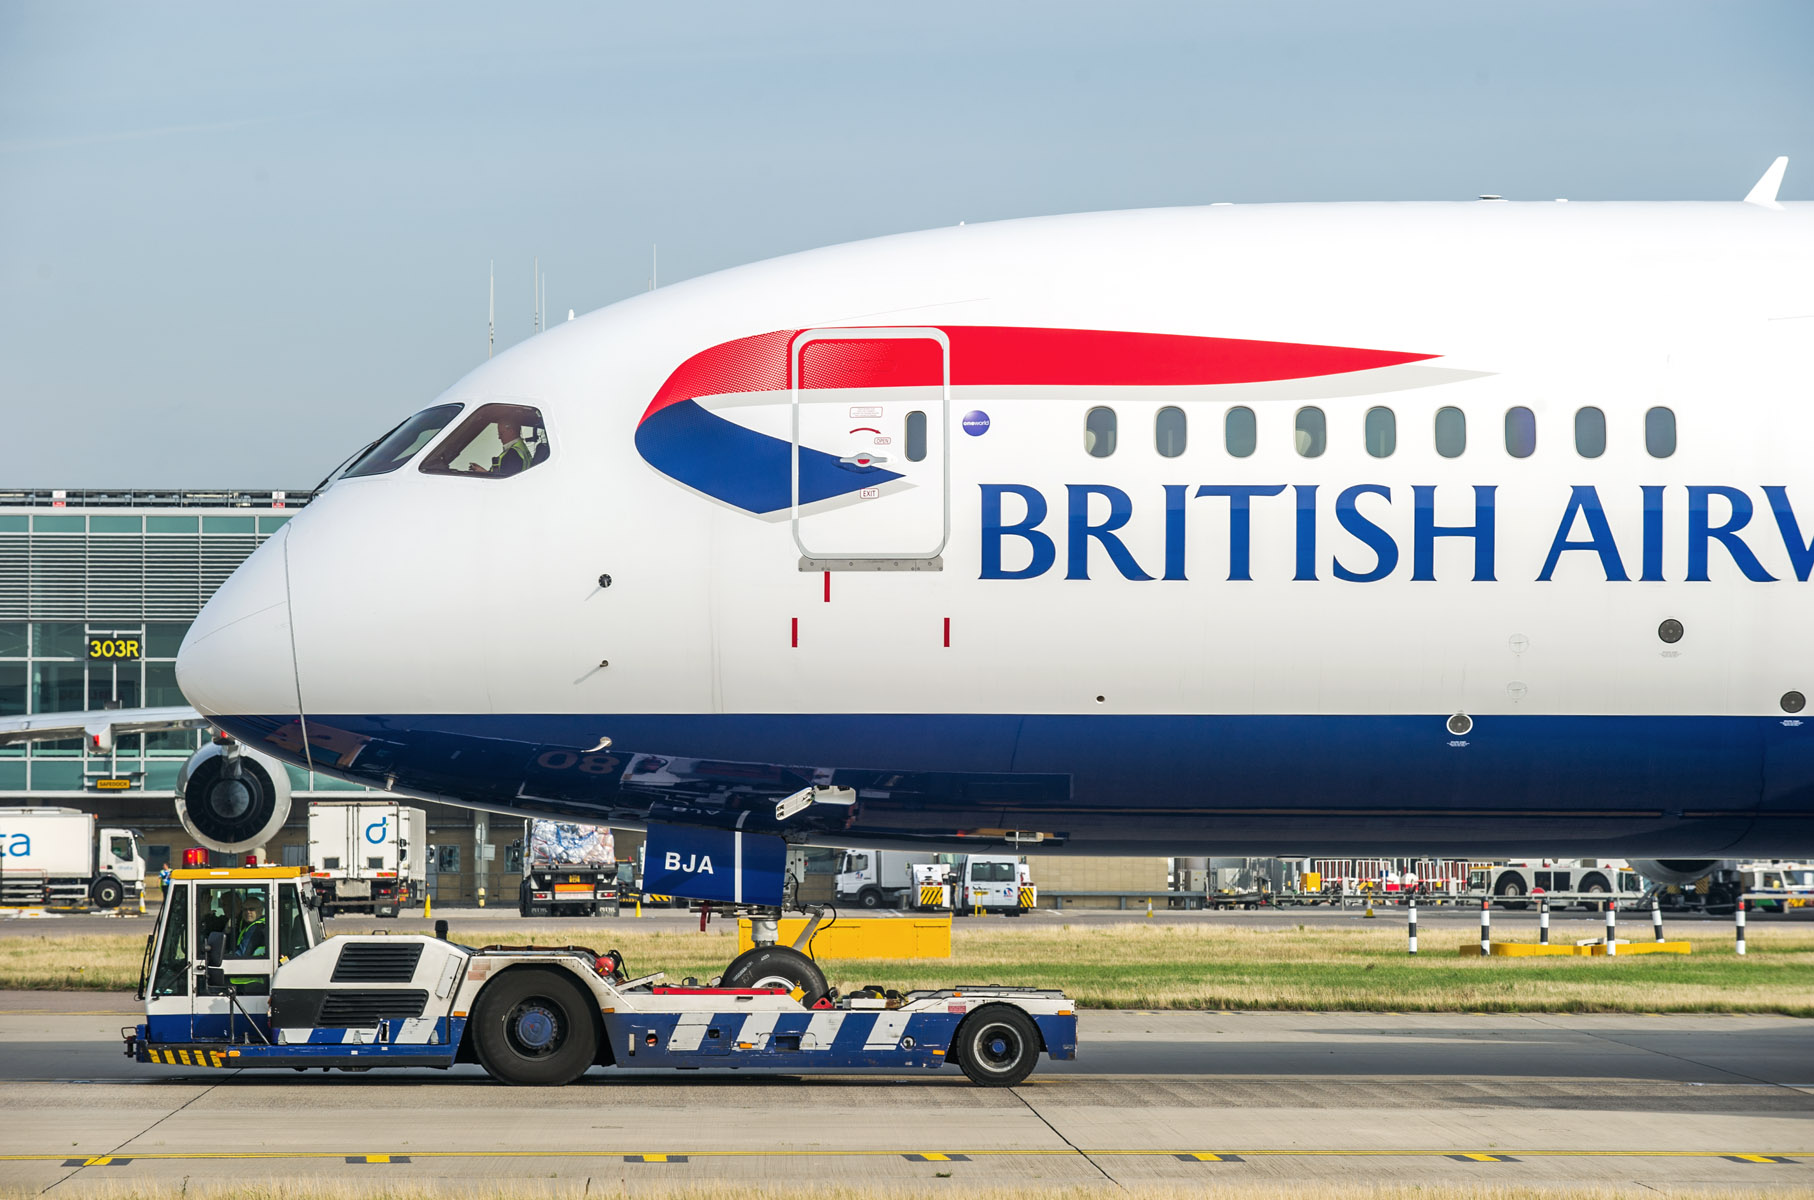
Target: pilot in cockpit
513 458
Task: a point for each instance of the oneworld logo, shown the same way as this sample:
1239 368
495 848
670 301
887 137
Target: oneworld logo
976 422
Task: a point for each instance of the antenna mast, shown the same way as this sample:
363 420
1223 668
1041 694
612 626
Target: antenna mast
535 287
491 310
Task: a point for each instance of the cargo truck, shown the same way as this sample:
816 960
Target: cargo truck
878 878
367 855
63 857
568 869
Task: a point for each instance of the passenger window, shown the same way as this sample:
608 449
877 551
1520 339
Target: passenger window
1590 432
1239 433
172 978
1311 432
916 436
1520 432
496 441
1659 432
400 444
1099 432
1382 432
1169 432
1451 432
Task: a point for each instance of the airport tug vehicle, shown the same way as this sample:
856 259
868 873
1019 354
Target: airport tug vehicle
239 974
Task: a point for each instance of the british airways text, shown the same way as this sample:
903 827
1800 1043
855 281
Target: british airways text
1718 524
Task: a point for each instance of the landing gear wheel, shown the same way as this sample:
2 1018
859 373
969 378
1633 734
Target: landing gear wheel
534 1027
106 892
996 1046
777 966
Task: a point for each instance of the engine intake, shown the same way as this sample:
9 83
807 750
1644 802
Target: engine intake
232 799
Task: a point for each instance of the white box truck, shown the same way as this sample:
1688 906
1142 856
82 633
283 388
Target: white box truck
61 856
367 855
878 878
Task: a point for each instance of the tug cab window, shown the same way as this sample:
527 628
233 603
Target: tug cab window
400 444
172 977
495 442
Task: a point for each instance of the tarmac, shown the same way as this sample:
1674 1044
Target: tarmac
1670 1102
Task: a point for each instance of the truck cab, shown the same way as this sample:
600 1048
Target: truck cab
265 916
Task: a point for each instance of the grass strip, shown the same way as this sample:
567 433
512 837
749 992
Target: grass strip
1166 966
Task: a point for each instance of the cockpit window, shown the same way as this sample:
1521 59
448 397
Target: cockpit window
497 440
400 444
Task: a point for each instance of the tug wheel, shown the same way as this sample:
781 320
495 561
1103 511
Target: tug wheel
534 1027
997 1046
777 966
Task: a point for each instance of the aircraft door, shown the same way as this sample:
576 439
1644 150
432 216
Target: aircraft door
871 446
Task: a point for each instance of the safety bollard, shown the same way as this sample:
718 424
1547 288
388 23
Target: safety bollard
1612 927
1149 908
1486 927
1656 918
1543 921
1738 915
428 904
481 897
1413 926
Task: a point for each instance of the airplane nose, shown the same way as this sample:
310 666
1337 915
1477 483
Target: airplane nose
237 661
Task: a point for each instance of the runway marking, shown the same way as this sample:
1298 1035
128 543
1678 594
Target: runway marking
1792 1158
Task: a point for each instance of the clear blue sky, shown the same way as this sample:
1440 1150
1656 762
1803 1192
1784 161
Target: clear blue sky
238 240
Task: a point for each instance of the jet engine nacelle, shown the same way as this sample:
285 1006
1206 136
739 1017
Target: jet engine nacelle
1676 870
232 799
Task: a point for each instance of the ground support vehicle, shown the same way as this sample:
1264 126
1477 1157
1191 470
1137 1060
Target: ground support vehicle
878 878
970 883
1591 883
60 857
531 1014
368 856
568 870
